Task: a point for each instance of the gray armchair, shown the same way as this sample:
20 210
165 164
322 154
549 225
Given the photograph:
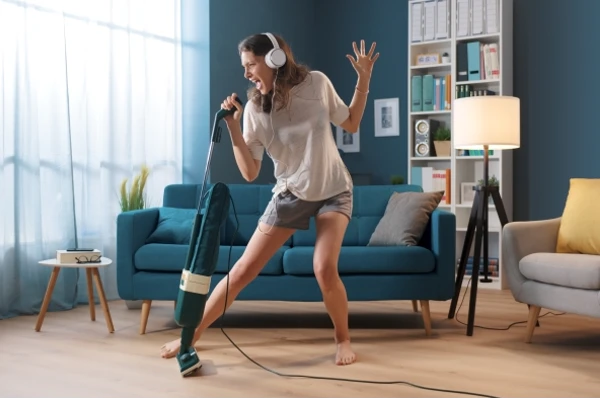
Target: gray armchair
541 278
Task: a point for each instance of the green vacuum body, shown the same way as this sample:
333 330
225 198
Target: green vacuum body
196 275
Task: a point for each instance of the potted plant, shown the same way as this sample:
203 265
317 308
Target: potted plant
397 180
441 142
136 198
492 181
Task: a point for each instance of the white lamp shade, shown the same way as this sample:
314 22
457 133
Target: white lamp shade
486 120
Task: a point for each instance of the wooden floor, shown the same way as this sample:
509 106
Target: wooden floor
73 356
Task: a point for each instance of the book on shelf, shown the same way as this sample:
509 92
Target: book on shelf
478 153
430 93
493 266
477 61
470 91
433 180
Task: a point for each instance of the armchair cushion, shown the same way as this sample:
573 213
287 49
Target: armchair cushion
405 219
579 230
580 271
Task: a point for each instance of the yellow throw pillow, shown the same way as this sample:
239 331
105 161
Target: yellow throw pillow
579 230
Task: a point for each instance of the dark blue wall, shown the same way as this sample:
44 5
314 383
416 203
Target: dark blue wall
554 60
230 22
339 23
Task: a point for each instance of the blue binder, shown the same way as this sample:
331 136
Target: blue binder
417 93
428 93
473 54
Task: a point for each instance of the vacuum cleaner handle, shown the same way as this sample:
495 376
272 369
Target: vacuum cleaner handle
222 113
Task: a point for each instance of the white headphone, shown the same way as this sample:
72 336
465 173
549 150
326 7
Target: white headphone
275 58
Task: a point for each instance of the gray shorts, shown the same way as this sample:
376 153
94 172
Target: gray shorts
287 211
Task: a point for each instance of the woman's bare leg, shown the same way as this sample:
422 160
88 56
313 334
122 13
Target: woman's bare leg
331 227
262 246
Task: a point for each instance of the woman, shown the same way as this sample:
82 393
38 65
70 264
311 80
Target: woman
289 115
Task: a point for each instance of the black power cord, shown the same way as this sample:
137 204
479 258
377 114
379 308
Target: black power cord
490 328
322 377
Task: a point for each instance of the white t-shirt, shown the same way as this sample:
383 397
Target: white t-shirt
304 152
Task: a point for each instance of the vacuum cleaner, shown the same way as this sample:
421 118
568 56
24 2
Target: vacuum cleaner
202 258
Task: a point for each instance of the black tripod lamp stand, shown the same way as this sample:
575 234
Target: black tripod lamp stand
482 123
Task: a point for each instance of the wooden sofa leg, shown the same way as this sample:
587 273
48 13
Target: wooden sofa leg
534 313
145 313
415 306
426 316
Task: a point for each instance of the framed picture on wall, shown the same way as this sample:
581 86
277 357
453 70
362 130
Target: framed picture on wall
346 141
387 117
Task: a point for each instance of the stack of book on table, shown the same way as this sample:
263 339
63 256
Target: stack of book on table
78 255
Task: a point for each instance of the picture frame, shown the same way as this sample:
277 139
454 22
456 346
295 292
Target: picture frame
467 193
346 141
387 117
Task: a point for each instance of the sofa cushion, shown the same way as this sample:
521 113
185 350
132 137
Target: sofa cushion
174 226
158 257
579 230
581 271
405 219
364 260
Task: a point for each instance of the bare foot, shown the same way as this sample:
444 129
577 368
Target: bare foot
170 349
344 355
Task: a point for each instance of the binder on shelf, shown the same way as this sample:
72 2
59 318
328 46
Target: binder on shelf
462 62
416 21
442 25
474 63
428 93
429 20
462 18
422 176
477 20
492 16
416 94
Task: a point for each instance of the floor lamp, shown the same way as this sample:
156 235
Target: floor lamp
482 123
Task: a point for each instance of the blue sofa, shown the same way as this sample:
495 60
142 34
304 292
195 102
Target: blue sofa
149 260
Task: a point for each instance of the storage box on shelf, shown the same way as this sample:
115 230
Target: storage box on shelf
458 48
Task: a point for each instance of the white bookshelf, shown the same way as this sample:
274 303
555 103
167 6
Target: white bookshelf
463 168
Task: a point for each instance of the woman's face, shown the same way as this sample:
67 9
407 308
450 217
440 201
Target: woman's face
257 71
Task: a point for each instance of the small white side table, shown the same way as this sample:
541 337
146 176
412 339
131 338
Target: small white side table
91 269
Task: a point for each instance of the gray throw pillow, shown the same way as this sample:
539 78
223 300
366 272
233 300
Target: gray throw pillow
405 219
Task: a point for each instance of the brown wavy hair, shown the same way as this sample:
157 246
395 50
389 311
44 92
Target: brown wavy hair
288 76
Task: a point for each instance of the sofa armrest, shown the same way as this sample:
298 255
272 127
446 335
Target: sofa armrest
133 228
441 240
522 238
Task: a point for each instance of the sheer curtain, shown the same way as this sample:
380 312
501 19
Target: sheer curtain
90 90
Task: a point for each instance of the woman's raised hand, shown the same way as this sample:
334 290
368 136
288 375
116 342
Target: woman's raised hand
363 63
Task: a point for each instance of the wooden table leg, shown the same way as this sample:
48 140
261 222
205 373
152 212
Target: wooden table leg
47 297
90 289
103 302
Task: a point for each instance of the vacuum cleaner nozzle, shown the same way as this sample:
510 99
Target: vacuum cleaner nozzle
188 361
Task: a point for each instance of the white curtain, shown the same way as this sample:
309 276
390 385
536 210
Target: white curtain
89 91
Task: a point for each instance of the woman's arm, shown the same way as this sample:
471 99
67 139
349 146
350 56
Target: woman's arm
357 106
249 167
363 64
